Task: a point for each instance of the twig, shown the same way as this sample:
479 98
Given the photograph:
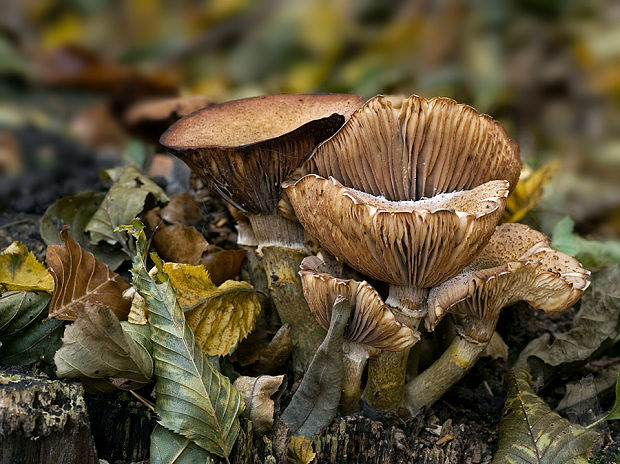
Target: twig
143 401
14 223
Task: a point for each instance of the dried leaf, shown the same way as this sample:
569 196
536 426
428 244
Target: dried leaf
497 348
315 402
300 451
95 346
20 270
596 326
223 264
528 191
256 393
168 447
124 201
219 316
276 353
581 396
76 211
182 209
193 398
25 336
138 311
180 244
590 253
531 433
82 280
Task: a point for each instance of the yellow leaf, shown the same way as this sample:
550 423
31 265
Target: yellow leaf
299 450
20 270
528 191
219 316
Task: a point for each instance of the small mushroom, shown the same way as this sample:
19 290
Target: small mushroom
372 326
516 265
245 149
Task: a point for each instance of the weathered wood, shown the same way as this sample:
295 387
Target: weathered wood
43 420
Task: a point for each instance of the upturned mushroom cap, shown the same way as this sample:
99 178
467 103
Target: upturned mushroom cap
413 148
371 323
406 243
516 265
247 147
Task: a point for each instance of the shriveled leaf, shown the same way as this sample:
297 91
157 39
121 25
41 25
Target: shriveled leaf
180 244
590 253
315 402
82 280
137 313
528 191
20 270
96 346
193 399
168 447
76 211
25 336
497 348
531 433
124 201
300 451
256 393
223 264
596 326
182 209
580 396
219 316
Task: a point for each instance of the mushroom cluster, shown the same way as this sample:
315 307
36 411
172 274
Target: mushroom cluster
403 193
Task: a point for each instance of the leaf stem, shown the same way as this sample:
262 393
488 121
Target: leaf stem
143 401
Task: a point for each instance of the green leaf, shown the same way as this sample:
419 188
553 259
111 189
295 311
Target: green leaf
596 326
124 201
531 433
25 336
96 346
193 399
168 447
614 414
590 253
316 400
135 153
76 211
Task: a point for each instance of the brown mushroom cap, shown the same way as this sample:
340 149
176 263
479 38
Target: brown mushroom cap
372 323
407 243
247 147
517 264
416 149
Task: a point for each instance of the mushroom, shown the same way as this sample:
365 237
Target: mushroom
415 191
372 326
516 265
245 149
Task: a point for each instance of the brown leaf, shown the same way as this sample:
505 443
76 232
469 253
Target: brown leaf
277 351
80 279
182 209
256 393
223 265
180 244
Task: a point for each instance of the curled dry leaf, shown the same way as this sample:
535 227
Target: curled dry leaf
256 393
219 316
82 280
223 264
300 451
182 209
20 270
124 201
180 244
277 351
531 433
138 311
95 346
315 402
497 348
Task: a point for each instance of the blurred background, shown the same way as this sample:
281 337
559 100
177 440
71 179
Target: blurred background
549 70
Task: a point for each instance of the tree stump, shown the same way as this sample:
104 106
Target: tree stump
43 420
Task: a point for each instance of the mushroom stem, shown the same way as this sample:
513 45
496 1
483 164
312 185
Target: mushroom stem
355 358
281 248
387 372
425 389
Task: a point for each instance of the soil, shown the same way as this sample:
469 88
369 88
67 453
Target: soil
460 428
